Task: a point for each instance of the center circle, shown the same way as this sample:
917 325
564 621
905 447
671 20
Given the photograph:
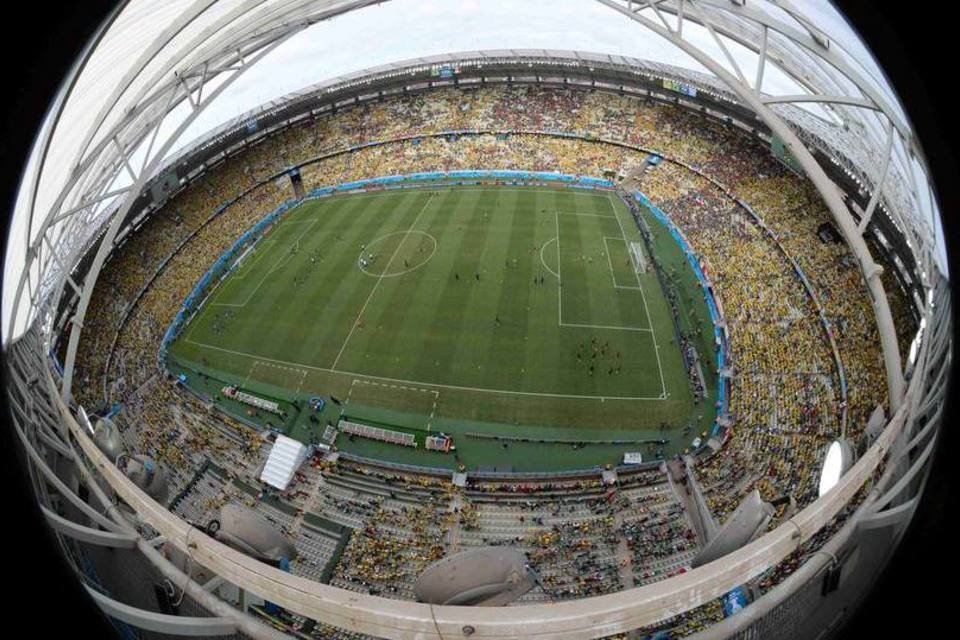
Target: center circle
396 253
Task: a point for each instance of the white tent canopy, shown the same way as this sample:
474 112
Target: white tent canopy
285 458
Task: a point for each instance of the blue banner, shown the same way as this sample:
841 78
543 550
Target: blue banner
734 601
715 316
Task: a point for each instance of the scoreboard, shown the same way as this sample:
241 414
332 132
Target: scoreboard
680 87
445 71
164 185
782 153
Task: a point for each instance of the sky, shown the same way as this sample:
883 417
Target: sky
405 29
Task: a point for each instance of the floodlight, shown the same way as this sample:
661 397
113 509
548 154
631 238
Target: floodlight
836 462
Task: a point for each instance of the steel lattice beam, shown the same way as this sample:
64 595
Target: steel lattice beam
827 189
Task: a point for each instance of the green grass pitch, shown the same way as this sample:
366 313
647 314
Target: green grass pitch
505 311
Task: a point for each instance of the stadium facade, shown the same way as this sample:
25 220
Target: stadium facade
150 57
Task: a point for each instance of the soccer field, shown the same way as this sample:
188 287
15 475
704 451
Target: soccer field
499 311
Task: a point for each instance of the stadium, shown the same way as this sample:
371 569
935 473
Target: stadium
634 345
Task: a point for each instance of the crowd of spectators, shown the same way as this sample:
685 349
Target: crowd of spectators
785 386
392 548
785 402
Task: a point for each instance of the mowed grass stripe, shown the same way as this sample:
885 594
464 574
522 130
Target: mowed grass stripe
343 286
446 312
629 302
270 318
282 315
577 301
606 305
669 359
592 300
476 321
384 260
275 321
232 296
342 290
565 341
509 294
388 335
622 266
422 349
312 332
269 260
236 290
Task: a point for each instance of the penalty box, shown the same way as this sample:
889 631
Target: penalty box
599 283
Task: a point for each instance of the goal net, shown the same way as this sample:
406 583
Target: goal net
639 258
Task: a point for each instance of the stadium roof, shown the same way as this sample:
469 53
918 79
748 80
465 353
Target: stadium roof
160 73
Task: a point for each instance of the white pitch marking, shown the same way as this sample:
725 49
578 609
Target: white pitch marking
284 257
605 326
303 378
656 347
544 262
414 268
560 321
436 394
399 192
303 373
588 215
610 262
559 271
260 250
433 410
249 373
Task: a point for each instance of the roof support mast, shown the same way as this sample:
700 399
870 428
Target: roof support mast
878 184
831 194
140 180
257 37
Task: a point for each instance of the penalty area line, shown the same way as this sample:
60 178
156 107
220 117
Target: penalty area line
544 262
